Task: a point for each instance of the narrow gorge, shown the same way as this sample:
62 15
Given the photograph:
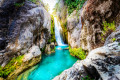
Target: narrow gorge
59 39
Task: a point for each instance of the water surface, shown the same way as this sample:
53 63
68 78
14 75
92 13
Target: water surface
52 65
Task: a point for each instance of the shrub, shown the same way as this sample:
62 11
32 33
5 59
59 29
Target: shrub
113 39
87 78
34 1
107 29
78 52
11 66
19 4
74 5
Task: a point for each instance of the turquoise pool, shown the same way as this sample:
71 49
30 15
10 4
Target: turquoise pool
52 65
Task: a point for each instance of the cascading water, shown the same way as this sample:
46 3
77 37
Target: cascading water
57 32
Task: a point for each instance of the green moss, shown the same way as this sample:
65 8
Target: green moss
11 66
74 5
78 52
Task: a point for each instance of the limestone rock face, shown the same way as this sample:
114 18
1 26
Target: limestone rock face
23 27
85 28
94 14
115 36
74 29
101 63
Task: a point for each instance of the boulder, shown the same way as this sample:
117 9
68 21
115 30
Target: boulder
33 52
101 63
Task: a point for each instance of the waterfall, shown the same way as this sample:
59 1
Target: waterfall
57 32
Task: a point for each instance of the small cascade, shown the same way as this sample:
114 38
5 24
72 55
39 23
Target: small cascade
57 32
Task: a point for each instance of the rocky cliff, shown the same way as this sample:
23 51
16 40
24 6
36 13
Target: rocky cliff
91 17
24 30
101 64
88 31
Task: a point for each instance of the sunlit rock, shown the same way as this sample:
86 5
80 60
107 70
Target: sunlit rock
33 52
94 14
101 63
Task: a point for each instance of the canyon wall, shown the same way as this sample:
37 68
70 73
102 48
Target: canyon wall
85 27
24 30
86 30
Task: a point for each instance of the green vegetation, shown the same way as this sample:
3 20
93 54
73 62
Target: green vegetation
11 66
87 78
74 5
113 39
107 29
19 4
42 49
64 29
52 30
52 50
78 52
34 1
